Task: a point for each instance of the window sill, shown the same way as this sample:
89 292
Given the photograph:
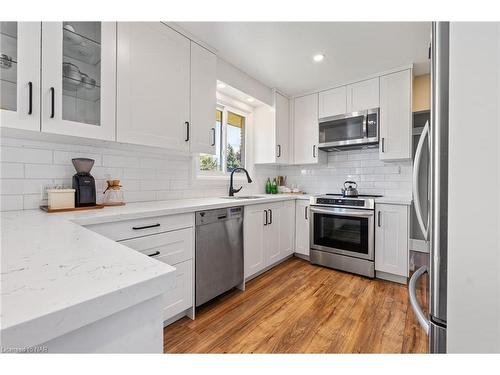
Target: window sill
219 177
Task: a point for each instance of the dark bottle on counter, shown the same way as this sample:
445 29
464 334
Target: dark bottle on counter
274 187
268 186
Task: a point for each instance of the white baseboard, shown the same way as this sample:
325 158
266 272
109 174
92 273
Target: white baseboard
390 277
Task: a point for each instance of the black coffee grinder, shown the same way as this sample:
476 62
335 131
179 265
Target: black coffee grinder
84 183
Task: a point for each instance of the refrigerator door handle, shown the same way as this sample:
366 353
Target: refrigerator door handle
412 289
416 193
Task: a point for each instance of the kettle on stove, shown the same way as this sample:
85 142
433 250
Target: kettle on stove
350 189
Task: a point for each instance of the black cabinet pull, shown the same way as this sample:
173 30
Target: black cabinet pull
314 151
52 100
147 226
383 144
213 130
279 151
30 98
265 223
187 131
305 212
378 214
270 216
154 254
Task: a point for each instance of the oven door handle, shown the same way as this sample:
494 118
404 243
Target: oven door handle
342 212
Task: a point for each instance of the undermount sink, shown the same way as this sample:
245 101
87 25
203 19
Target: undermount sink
242 197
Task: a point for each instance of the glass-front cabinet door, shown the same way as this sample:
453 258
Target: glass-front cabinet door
20 75
79 78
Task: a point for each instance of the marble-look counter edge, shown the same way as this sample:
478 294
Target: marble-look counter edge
37 235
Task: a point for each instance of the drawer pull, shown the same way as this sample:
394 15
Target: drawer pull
147 226
154 254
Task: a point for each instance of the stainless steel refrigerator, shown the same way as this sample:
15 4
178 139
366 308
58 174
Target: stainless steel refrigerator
432 213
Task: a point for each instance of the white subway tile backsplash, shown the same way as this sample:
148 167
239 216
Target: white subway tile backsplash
363 166
11 202
120 161
26 155
11 170
146 175
23 186
48 171
31 201
29 165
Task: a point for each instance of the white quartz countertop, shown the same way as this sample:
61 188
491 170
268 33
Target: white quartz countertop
57 276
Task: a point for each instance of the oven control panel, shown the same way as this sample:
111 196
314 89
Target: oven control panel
341 202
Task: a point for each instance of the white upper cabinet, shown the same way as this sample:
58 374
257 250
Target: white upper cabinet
363 95
153 84
272 132
306 131
391 239
203 100
333 102
395 116
20 75
282 118
79 79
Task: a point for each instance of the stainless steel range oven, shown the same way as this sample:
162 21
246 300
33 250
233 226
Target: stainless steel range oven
342 233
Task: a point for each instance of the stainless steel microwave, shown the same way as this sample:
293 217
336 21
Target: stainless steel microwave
351 130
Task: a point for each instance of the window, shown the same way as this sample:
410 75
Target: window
229 143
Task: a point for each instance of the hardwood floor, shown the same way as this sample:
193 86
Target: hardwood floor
300 308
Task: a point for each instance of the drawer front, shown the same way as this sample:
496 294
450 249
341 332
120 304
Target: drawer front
181 297
122 230
170 247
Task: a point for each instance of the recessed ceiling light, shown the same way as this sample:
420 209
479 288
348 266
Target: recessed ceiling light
250 99
319 57
221 85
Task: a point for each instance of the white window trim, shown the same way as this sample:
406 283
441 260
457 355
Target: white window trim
223 175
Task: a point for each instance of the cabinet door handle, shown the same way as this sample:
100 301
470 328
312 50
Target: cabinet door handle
187 131
30 98
156 253
383 144
305 213
265 223
213 142
314 151
270 216
147 226
378 217
52 101
279 151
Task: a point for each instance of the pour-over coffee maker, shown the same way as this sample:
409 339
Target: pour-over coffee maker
84 183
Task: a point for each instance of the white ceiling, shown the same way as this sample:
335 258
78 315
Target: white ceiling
279 54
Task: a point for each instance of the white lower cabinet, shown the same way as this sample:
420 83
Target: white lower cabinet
302 227
391 240
268 235
168 239
181 297
287 228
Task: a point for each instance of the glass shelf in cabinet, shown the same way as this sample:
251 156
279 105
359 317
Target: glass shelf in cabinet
81 48
80 90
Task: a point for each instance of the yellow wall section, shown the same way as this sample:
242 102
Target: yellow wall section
421 93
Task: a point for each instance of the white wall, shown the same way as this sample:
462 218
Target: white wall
474 180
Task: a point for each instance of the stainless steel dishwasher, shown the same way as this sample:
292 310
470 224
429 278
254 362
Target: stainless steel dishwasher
219 252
